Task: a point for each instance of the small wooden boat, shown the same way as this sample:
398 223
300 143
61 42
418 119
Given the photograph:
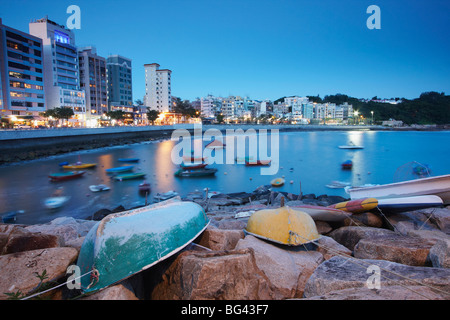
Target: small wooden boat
166 195
11 216
277 182
193 159
119 169
351 145
216 144
250 163
99 187
347 165
128 160
55 202
323 213
356 206
129 176
61 176
144 187
283 225
79 165
337 184
403 204
196 173
193 166
437 186
128 242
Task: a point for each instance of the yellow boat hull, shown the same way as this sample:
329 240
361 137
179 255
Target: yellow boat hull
356 206
283 225
80 166
278 182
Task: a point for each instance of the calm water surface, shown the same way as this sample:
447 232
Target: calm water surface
310 158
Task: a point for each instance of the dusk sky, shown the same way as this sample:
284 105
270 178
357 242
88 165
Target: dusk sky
265 49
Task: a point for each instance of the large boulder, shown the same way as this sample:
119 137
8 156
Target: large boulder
67 228
440 254
341 273
350 236
221 275
288 269
329 248
22 240
219 239
384 293
121 291
19 270
412 251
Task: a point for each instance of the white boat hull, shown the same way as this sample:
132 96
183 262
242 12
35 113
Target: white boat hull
438 186
396 205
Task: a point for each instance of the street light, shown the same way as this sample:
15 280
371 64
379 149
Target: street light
372 116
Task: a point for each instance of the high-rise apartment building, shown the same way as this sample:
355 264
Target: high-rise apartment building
119 81
93 81
157 88
22 94
61 81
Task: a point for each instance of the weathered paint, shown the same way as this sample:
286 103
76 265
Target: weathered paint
128 242
356 206
283 225
323 213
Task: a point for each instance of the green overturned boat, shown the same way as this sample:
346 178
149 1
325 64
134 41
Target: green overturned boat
125 243
129 176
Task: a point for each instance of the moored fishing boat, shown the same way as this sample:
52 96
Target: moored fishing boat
277 182
55 202
128 242
144 187
119 169
128 160
196 173
80 165
438 186
337 184
216 144
61 176
283 225
165 195
191 166
250 163
99 187
129 176
351 145
347 165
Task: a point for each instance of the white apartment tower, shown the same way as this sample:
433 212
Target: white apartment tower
61 73
157 88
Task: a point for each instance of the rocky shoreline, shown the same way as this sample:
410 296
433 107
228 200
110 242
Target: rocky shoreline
411 252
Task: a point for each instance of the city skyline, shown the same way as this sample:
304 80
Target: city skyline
265 50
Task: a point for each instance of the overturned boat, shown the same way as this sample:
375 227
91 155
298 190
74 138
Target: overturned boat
128 242
283 225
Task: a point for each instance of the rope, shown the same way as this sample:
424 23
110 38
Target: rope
367 264
58 286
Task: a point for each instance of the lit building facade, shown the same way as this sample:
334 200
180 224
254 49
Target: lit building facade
119 82
61 80
158 94
22 95
93 81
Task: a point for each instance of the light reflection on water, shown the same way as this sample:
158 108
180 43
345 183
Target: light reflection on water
312 158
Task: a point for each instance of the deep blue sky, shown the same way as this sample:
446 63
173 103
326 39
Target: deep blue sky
265 49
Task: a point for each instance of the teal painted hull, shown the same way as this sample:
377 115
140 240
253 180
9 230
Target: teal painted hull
128 242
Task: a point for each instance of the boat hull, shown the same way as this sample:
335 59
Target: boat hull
438 186
120 169
196 173
129 176
66 176
356 206
323 213
396 205
128 242
80 166
128 160
283 225
278 182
